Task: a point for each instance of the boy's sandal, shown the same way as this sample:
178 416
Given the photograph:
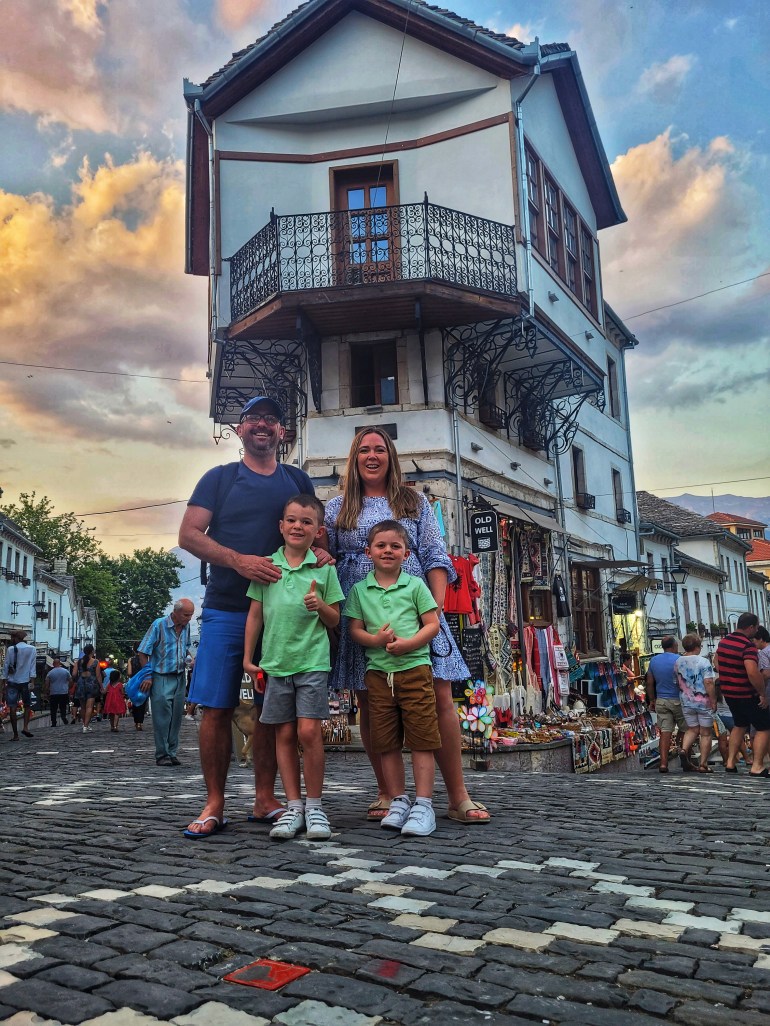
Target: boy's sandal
461 813
378 809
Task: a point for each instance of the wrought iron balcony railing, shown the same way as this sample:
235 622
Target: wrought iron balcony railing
344 248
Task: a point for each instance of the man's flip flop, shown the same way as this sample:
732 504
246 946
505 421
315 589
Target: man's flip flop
378 810
196 836
460 814
268 818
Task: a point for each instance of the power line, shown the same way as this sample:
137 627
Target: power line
129 509
689 299
113 373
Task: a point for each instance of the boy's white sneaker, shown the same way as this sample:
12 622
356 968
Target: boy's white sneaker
318 827
421 821
398 814
289 824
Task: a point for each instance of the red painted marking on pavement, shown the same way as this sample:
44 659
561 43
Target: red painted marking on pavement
266 974
388 969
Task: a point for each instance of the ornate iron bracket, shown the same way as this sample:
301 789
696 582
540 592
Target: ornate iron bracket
265 367
473 354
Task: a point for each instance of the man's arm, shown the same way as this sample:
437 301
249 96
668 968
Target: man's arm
756 679
193 538
649 683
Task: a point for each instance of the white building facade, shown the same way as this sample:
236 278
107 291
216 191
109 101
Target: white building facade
398 213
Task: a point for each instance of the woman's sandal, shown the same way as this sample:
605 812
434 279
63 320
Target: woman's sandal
460 814
378 809
705 769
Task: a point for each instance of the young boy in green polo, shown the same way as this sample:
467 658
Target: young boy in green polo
295 611
395 617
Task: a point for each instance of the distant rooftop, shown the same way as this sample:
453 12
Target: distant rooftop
733 520
674 518
760 551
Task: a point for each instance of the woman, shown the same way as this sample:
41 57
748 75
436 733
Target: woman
134 666
89 684
374 491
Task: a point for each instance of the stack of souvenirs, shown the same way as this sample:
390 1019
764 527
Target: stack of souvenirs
527 687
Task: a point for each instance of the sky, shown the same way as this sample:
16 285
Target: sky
92 235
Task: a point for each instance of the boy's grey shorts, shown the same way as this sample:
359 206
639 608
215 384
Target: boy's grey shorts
301 695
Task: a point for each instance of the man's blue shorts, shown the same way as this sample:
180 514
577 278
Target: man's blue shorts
216 679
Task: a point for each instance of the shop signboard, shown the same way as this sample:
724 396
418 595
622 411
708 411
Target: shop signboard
483 525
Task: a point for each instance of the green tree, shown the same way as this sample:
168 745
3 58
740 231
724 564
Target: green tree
97 587
144 582
59 535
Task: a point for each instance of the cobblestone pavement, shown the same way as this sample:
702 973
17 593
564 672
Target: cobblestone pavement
597 900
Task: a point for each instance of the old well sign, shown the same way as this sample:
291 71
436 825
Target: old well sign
483 526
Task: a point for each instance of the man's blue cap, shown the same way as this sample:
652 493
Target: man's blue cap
249 406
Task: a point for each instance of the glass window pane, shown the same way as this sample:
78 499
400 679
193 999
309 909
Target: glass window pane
358 253
378 196
387 391
358 227
379 224
380 251
356 199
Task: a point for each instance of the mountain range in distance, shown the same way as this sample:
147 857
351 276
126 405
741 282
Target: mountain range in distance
753 507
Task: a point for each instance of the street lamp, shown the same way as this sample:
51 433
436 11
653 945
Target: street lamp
679 574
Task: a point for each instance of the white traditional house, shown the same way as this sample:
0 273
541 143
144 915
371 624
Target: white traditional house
17 588
398 213
704 583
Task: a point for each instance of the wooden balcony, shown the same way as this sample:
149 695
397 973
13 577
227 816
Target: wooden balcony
364 270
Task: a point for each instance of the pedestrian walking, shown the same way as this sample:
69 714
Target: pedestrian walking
164 647
695 676
58 682
296 611
394 616
138 711
88 686
18 671
664 699
743 687
114 699
231 522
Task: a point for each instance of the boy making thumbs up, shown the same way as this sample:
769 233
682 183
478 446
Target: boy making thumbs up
295 611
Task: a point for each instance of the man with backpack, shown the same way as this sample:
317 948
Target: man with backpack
18 671
231 523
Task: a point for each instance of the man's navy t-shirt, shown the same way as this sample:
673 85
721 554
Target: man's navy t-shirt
246 523
662 669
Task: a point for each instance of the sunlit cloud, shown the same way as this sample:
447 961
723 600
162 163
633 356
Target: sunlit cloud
99 285
663 82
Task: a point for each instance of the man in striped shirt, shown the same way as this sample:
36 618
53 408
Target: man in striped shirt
165 646
743 688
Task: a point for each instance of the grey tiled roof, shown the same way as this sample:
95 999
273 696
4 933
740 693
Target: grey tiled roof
654 510
514 44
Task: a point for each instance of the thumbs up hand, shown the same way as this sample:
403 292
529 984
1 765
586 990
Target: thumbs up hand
312 601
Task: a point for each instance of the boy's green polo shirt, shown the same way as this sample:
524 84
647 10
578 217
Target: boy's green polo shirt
295 640
401 605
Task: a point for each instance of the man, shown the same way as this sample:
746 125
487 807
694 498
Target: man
18 671
58 682
165 647
743 688
231 522
663 699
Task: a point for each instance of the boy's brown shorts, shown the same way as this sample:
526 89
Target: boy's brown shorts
406 715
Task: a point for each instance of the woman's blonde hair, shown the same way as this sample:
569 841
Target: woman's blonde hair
403 500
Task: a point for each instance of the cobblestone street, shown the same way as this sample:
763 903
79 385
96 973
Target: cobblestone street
598 900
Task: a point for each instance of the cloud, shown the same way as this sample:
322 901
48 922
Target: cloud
663 82
99 285
691 230
236 14
524 32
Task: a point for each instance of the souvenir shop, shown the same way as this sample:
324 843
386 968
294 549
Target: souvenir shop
528 689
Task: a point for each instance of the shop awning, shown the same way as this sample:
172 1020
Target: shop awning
640 582
548 523
606 564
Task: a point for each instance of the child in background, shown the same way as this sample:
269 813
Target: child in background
296 610
394 617
114 699
695 676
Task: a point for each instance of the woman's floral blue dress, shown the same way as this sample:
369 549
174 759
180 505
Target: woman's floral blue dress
427 553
